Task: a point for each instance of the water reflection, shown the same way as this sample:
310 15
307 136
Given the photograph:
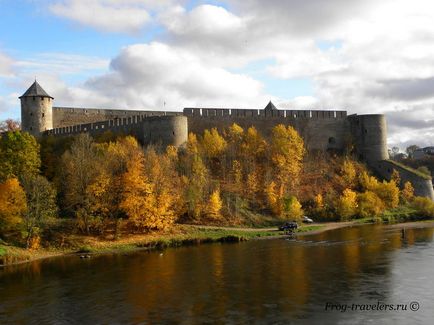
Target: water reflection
256 282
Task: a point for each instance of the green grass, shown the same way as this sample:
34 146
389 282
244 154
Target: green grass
310 228
3 250
409 169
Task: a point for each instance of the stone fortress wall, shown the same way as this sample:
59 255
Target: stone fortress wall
68 116
320 129
168 129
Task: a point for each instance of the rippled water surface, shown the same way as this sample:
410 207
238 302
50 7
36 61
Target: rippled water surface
257 282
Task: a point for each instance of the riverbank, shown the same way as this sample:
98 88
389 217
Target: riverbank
180 235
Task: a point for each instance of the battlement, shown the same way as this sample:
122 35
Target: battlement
167 129
112 111
261 113
71 116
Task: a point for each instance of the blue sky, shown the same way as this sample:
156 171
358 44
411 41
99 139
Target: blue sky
362 55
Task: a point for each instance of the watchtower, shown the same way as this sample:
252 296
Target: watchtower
36 110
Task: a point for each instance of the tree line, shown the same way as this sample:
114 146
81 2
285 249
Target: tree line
112 185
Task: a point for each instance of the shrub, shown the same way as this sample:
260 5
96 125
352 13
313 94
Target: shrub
370 205
424 206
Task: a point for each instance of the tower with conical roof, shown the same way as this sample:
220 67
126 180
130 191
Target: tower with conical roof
36 110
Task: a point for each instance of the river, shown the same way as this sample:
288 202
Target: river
306 280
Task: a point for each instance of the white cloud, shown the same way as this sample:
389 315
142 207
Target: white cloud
384 62
107 15
61 63
147 75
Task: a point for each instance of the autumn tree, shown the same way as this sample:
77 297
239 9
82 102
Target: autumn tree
388 192
407 193
138 199
80 168
41 206
349 173
292 208
12 205
197 187
424 206
253 147
273 200
369 205
287 152
235 135
213 143
214 206
347 204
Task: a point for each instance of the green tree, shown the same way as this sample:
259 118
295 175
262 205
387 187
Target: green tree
19 155
41 206
292 208
80 168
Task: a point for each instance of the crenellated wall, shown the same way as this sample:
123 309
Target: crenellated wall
320 129
164 130
69 116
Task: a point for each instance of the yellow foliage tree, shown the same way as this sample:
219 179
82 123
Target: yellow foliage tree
140 202
388 192
407 192
196 188
347 204
252 187
214 206
369 205
396 177
292 209
368 183
287 152
349 173
192 144
253 145
213 143
12 204
273 199
235 134
424 206
318 202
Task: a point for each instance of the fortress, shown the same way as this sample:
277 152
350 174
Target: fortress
321 129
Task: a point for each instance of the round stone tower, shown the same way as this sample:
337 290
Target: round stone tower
36 110
370 137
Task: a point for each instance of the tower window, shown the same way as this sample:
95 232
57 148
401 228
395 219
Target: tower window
33 97
31 114
332 140
43 114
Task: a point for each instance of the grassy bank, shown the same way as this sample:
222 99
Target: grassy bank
181 235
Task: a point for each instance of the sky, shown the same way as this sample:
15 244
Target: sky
363 56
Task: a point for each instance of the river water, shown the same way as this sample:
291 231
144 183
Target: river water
307 280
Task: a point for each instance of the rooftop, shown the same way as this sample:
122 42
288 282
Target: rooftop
35 90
